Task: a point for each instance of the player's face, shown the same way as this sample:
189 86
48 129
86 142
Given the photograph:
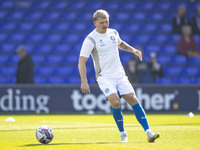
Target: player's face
102 24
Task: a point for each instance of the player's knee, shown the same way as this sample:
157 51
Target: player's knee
116 104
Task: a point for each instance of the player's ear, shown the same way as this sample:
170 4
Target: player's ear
95 23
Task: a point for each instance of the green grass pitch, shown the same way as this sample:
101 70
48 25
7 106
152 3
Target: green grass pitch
99 132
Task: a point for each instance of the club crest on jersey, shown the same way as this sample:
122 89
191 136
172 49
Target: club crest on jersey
101 43
112 38
107 90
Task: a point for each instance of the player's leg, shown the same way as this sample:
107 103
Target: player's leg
140 115
117 115
127 92
108 87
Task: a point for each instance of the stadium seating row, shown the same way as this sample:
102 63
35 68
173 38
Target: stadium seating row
53 31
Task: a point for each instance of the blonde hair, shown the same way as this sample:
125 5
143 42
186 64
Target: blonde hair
100 14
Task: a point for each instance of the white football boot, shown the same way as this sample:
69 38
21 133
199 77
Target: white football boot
124 138
151 137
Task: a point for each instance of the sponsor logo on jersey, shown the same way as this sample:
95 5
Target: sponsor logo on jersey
101 43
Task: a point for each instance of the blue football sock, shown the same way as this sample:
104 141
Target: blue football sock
141 116
118 116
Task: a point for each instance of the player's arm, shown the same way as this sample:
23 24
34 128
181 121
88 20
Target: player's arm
86 49
82 70
126 47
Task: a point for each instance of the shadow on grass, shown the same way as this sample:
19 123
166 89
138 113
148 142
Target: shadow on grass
53 144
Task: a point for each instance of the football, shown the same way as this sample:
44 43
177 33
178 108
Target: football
44 134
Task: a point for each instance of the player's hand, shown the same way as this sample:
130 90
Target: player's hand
139 54
85 87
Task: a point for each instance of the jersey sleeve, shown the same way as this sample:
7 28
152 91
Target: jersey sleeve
86 48
118 38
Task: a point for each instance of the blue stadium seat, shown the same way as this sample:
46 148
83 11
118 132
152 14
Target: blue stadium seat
58 5
85 17
42 49
164 60
55 80
3 15
7 26
137 17
62 49
72 80
125 59
178 61
72 59
3 80
118 26
40 80
113 5
6 4
13 59
196 80
141 39
38 59
32 16
34 38
26 26
168 50
16 38
8 71
154 17
70 39
79 27
164 80
127 38
3 37
148 28
164 28
50 16
151 49
42 5
3 60
73 5
29 48
60 27
52 38
183 81
129 28
157 39
8 49
63 71
55 59
23 5
121 16
44 71
144 6
90 5
194 61
42 27
172 72
68 16
15 16
169 16
190 72
162 6
197 38
173 39
128 6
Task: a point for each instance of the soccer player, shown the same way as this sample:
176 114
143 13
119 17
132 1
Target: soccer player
103 43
